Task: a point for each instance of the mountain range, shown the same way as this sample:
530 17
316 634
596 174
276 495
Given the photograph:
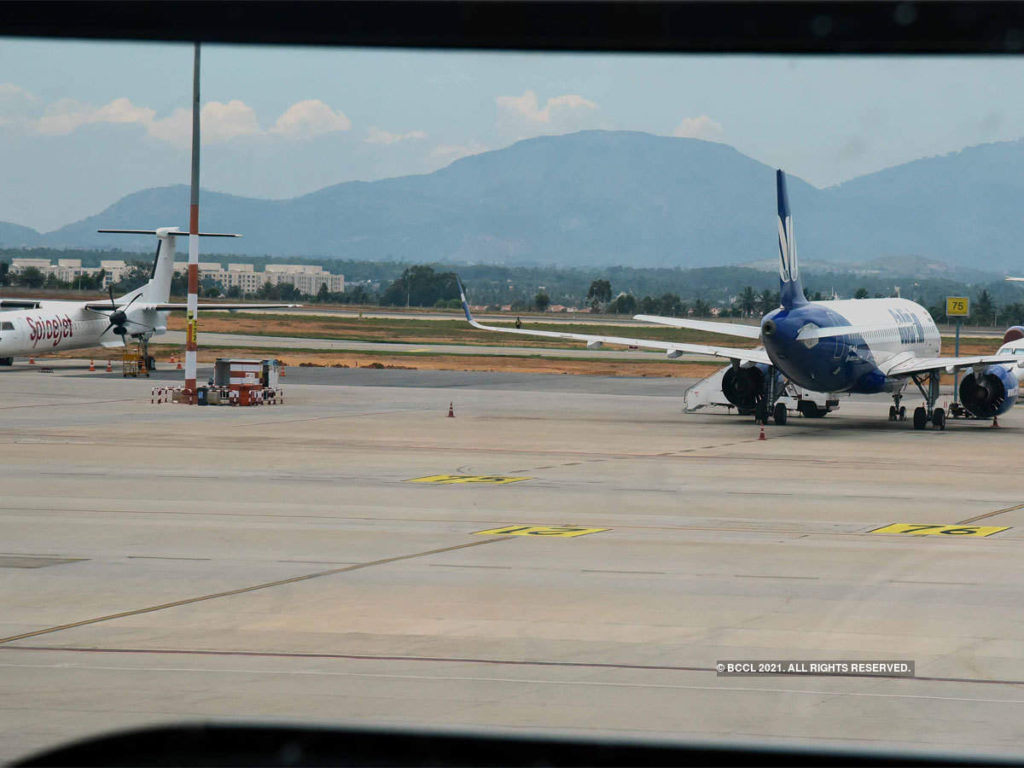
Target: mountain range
603 198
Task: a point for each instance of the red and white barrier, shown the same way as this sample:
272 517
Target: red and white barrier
228 395
161 395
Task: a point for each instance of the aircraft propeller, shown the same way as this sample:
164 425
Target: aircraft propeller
118 316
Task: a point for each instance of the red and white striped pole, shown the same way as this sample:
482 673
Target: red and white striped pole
192 308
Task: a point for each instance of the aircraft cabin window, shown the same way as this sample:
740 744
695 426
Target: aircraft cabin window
6 326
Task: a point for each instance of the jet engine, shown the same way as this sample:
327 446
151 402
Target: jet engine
990 393
743 386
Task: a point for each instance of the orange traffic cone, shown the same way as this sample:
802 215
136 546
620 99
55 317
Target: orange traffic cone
761 436
31 360
172 359
451 411
110 367
92 366
179 366
284 370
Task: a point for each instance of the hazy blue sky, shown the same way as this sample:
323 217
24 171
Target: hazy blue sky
84 123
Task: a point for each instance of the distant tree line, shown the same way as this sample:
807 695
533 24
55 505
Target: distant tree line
724 291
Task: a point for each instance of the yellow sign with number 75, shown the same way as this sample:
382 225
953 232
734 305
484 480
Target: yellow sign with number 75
958 306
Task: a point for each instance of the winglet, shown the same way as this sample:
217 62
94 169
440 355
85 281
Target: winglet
465 304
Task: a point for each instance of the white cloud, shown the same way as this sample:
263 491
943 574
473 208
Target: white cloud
702 127
452 152
221 121
309 118
15 103
528 108
378 136
67 115
175 129
11 94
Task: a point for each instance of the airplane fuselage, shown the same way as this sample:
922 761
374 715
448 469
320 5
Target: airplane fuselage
54 327
848 363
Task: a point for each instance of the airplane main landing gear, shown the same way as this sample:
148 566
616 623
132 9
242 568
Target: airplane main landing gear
920 417
928 412
780 414
768 403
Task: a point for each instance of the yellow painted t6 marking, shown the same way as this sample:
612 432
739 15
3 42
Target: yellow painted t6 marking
564 531
945 530
452 479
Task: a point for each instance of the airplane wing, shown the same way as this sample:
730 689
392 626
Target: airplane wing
594 341
105 307
19 303
909 366
726 329
209 307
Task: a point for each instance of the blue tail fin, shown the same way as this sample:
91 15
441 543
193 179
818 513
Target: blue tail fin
791 289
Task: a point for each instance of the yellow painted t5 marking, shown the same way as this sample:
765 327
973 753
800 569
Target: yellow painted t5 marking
564 531
453 479
945 530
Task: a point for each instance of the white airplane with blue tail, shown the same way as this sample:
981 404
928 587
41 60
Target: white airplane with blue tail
858 346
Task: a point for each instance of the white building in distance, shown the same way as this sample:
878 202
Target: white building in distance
305 277
66 270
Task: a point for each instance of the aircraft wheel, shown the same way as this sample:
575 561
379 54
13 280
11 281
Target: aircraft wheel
892 413
920 418
780 414
761 412
903 413
6 361
939 418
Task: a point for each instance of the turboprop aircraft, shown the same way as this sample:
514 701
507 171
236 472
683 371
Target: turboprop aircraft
36 326
863 346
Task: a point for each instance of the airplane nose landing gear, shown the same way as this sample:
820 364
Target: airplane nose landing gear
897 412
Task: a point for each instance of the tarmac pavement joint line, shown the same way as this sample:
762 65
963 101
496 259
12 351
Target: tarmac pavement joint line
563 683
488 661
990 514
243 590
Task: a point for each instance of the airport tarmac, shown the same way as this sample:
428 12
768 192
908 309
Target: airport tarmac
164 563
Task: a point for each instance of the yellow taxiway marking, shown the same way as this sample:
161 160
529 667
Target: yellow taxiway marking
947 530
565 531
452 479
